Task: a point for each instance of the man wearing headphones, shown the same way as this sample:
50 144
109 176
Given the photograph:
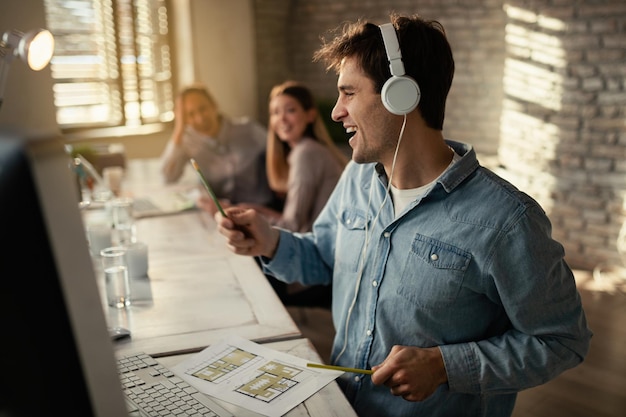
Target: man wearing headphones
446 280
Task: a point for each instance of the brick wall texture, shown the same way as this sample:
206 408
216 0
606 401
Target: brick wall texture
540 88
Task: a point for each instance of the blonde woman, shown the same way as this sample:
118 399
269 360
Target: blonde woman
230 151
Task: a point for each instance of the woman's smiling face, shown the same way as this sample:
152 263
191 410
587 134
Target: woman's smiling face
288 119
200 113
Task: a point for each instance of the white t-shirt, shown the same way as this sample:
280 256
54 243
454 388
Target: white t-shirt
402 198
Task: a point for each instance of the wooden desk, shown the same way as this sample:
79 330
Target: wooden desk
197 291
328 402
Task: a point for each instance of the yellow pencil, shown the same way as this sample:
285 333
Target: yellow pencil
340 368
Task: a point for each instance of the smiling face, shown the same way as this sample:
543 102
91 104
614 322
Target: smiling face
200 113
360 109
289 119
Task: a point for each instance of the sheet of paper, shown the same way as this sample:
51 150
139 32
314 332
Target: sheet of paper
252 376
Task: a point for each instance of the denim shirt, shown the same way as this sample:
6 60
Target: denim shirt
470 267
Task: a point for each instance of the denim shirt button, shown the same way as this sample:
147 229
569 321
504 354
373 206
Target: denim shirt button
374 283
356 378
386 234
369 332
434 257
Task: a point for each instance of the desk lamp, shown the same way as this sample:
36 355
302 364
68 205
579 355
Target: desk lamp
35 48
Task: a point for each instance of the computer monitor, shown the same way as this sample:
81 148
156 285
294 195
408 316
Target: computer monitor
55 352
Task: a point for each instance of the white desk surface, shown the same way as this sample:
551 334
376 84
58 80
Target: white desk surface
196 291
328 402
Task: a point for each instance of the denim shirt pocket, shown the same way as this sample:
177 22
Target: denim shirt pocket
433 273
350 237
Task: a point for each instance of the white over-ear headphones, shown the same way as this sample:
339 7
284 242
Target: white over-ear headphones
400 93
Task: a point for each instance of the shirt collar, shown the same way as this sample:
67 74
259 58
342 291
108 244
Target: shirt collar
457 173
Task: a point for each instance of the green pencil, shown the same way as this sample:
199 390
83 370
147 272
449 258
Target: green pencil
207 187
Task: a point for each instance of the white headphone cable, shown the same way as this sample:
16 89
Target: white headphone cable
367 238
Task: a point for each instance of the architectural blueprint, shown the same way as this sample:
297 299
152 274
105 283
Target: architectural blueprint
252 376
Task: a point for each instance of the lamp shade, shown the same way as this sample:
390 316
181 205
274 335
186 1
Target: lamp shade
36 48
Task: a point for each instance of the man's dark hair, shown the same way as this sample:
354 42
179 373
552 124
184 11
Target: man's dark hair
426 54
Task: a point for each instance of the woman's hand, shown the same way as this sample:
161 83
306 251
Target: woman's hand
206 203
270 214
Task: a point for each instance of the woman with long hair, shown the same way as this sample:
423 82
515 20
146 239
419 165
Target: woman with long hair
303 163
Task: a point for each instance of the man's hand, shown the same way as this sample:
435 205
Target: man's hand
247 232
411 373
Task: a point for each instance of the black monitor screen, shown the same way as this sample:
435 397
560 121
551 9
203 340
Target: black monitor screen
55 351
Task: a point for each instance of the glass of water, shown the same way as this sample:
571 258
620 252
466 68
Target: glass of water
124 229
117 282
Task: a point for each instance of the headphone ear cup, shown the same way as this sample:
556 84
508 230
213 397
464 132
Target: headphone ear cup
400 95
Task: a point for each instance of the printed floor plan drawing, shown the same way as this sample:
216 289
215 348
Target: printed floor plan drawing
273 378
274 381
249 375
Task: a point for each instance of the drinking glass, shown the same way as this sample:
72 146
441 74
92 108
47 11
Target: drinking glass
124 228
116 279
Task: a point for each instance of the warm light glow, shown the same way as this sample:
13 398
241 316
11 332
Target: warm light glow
35 48
38 50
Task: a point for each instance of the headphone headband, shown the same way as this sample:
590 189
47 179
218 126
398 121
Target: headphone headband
400 93
392 47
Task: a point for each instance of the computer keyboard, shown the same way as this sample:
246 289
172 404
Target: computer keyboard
152 390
